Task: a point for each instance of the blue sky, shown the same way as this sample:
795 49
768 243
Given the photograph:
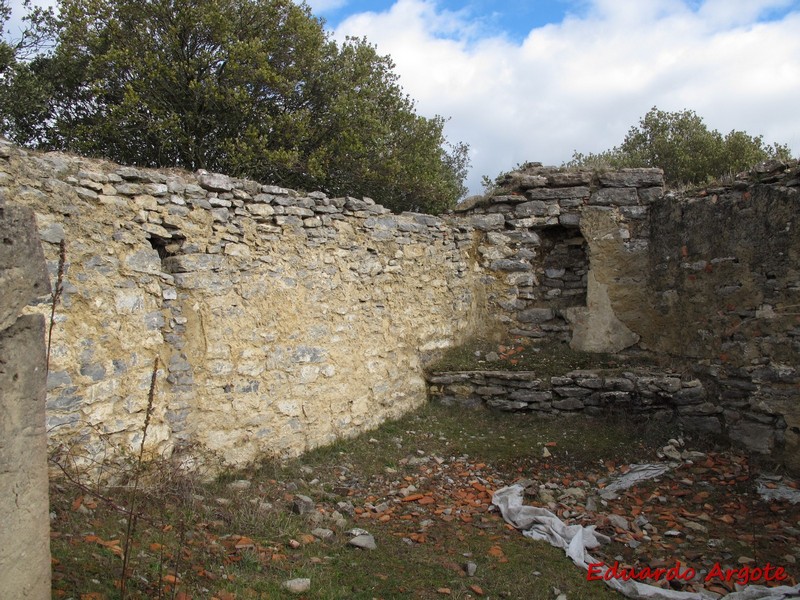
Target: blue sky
514 18
536 80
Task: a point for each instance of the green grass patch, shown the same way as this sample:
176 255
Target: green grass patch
523 354
207 540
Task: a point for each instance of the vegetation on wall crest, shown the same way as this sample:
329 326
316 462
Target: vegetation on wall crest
683 146
250 88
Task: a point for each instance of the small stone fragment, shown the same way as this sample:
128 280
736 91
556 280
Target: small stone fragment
619 522
297 586
671 452
364 541
546 496
577 493
302 505
239 485
322 533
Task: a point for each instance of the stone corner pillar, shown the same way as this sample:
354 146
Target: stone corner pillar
24 507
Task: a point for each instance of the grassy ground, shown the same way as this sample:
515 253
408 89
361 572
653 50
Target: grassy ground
524 354
196 540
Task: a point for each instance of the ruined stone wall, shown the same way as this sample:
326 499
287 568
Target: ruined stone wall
707 279
282 320
558 242
636 393
724 276
24 535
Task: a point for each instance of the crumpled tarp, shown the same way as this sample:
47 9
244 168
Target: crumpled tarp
541 524
636 474
770 488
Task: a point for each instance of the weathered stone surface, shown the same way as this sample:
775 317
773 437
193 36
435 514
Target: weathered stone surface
24 536
365 541
215 182
297 586
597 328
755 436
615 197
632 178
144 261
568 404
302 505
535 208
509 265
569 178
22 267
490 222
572 391
187 263
556 193
535 315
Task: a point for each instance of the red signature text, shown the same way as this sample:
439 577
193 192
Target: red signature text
743 575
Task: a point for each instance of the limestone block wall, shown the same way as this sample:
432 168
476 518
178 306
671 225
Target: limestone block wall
724 282
636 393
24 510
709 279
541 236
283 320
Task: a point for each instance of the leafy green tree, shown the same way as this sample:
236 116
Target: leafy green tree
6 50
682 145
252 88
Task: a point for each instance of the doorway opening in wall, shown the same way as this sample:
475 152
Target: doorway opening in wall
564 268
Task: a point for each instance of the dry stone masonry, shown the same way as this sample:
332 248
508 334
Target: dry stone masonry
287 319
543 232
708 279
284 320
639 394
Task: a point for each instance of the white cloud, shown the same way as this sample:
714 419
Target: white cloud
580 84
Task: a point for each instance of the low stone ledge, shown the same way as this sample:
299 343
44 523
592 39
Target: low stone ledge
701 407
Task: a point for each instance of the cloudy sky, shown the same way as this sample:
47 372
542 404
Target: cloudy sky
537 79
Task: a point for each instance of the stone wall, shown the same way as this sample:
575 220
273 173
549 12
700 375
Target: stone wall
708 279
724 283
24 535
284 320
542 234
636 393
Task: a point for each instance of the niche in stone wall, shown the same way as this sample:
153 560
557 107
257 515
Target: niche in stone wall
564 268
165 246
556 283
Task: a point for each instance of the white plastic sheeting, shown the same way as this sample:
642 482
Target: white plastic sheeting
636 474
770 487
541 524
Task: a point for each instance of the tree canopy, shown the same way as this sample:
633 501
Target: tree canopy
252 88
681 144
